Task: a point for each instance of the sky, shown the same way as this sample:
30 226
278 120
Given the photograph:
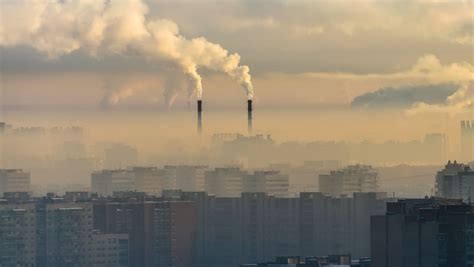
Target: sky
415 56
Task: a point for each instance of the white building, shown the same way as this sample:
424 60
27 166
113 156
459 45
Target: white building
14 180
455 181
355 178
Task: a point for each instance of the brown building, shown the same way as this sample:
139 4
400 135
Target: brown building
161 233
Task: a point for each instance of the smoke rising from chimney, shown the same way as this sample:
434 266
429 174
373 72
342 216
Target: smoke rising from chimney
102 27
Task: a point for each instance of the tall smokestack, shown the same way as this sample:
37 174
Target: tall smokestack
199 107
249 118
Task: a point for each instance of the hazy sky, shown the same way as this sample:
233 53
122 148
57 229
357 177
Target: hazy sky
123 53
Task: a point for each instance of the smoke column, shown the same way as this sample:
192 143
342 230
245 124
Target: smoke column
115 27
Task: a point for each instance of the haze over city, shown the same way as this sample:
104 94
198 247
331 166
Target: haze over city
198 107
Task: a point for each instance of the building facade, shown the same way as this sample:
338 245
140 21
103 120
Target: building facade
257 227
161 233
273 183
455 181
355 178
106 182
17 234
14 180
423 233
110 250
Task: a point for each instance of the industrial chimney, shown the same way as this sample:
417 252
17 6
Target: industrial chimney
199 107
249 118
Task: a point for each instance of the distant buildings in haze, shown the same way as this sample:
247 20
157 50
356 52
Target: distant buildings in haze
220 181
14 180
467 140
354 178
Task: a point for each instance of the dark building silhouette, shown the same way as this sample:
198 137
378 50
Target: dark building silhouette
314 261
256 227
423 233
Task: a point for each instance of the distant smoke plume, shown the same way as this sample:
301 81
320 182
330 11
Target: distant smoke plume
117 90
405 96
460 101
101 27
173 84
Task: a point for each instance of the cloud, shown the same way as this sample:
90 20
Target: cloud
405 96
450 21
58 28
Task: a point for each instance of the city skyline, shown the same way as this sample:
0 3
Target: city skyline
236 133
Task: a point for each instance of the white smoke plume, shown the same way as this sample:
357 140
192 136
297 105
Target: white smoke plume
174 83
117 90
102 27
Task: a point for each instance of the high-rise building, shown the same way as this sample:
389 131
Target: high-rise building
160 233
173 229
110 250
124 218
467 140
423 233
337 225
54 232
455 181
257 227
66 234
14 180
355 178
313 261
17 234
